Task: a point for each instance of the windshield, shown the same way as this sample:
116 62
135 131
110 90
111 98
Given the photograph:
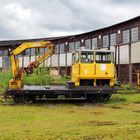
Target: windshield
86 57
103 57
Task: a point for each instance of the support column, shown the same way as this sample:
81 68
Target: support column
138 33
115 61
119 63
130 65
58 58
66 50
109 42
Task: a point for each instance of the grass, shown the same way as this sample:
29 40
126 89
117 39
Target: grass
117 119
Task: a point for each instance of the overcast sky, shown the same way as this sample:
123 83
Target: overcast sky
22 19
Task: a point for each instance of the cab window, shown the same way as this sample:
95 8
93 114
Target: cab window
103 57
86 57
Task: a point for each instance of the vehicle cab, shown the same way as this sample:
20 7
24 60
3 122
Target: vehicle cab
93 67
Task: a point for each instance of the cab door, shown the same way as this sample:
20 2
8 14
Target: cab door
75 65
87 66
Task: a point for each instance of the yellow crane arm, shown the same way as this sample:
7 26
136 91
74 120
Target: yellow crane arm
29 45
40 59
16 71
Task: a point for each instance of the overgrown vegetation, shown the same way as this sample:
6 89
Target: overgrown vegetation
128 86
127 89
40 76
4 79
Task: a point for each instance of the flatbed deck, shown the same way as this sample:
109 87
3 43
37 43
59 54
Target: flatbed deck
57 92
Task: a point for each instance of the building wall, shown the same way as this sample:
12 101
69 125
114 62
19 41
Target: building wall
62 60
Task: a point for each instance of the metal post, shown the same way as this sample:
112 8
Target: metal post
115 55
66 49
91 43
138 33
130 64
59 58
109 42
119 63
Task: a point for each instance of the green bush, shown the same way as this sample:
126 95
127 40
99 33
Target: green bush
39 77
128 86
4 79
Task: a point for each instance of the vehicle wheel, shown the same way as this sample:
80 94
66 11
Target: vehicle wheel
94 98
106 97
18 99
28 99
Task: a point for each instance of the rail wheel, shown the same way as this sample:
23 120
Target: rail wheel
28 99
94 98
105 97
18 99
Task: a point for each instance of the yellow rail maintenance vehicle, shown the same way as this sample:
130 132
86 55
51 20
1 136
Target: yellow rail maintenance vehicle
92 75
93 68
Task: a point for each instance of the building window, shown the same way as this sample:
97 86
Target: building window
37 51
5 53
126 36
77 45
88 43
1 53
71 46
113 39
106 41
27 52
62 48
94 43
33 51
134 34
46 49
41 51
56 49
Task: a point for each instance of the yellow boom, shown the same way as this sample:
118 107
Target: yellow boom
16 82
